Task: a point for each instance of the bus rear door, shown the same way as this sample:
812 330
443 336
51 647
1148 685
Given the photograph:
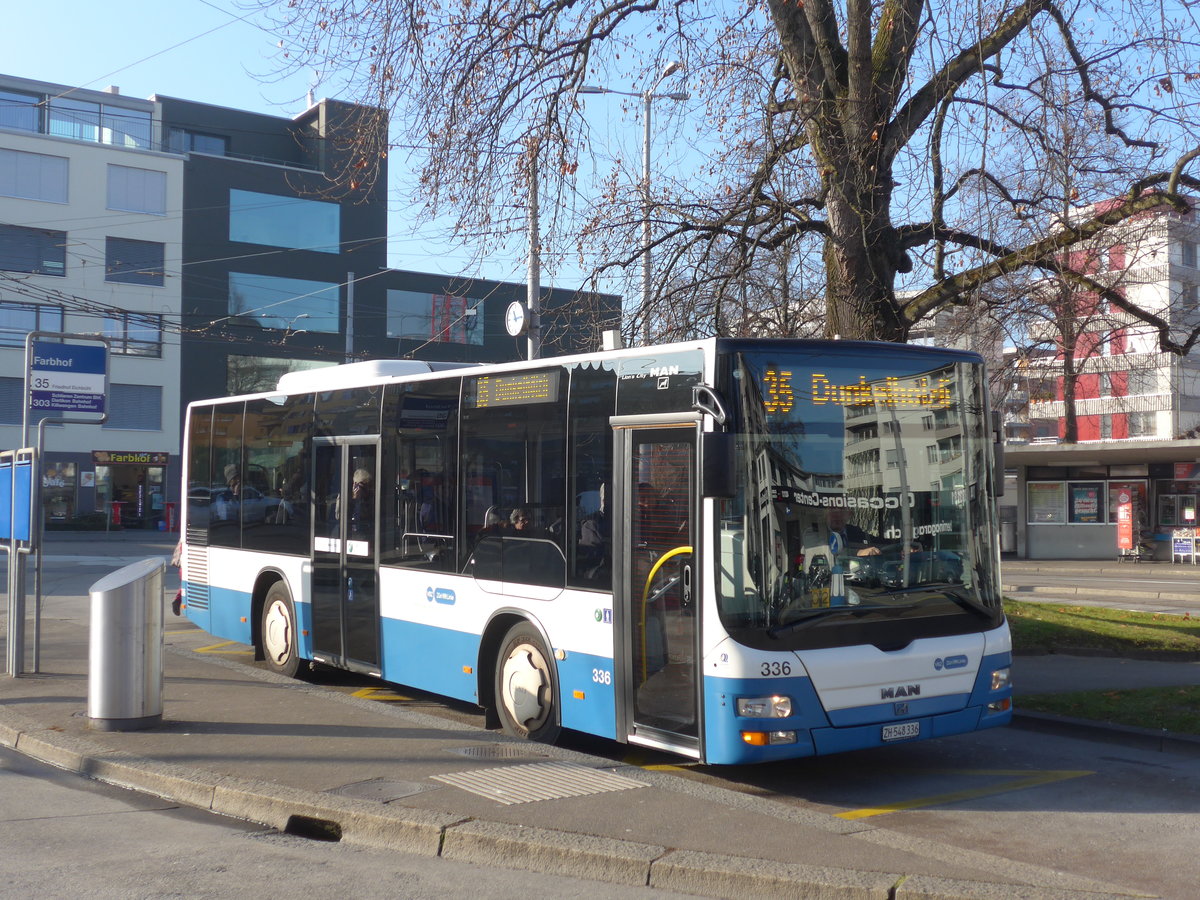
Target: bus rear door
345 597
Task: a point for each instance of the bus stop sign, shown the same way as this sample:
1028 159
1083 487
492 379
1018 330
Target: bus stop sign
67 378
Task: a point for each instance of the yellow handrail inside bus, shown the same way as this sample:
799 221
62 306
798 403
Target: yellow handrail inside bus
646 597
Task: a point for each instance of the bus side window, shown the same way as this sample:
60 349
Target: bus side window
589 472
420 426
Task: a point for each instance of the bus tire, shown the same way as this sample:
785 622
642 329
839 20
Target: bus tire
525 686
279 631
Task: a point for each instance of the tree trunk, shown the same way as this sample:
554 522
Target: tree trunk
1070 433
860 268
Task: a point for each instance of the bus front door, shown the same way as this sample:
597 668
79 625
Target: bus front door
656 588
345 598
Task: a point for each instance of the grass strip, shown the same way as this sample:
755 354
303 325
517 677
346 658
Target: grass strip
1174 709
1063 628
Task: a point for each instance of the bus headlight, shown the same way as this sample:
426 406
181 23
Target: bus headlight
764 707
1000 679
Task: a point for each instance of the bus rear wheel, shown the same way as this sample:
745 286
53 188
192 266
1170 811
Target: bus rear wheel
525 686
279 631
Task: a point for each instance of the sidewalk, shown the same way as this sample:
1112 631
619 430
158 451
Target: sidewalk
242 742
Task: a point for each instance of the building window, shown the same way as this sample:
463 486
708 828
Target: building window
133 262
33 250
18 319
254 374
135 407
434 317
1187 253
1142 424
137 190
279 221
134 334
1047 503
1106 427
33 176
126 127
1086 503
12 392
1105 384
20 111
1142 381
74 119
1187 298
181 140
285 303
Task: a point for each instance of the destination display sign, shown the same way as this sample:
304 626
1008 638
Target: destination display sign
514 390
921 392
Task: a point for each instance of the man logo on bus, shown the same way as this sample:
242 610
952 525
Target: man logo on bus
900 690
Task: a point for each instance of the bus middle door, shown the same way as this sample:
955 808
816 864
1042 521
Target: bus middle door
345 596
655 556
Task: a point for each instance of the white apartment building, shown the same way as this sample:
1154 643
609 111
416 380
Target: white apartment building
1127 388
1137 407
90 243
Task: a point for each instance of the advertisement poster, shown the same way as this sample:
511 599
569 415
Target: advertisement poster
1085 504
1124 519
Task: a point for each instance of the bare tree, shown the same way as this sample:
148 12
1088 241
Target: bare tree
893 140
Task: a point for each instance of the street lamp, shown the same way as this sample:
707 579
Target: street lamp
648 97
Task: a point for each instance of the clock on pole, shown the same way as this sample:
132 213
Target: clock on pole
516 318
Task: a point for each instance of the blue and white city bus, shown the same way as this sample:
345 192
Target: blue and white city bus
735 550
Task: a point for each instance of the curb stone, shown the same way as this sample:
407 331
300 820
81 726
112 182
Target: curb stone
710 875
1128 735
552 852
433 833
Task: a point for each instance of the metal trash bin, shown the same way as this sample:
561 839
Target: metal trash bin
125 648
1008 537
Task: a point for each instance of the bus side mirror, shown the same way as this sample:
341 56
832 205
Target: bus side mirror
716 464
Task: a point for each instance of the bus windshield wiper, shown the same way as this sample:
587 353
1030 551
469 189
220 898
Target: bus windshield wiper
952 592
807 616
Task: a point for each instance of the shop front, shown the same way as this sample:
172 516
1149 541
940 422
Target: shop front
130 488
1073 498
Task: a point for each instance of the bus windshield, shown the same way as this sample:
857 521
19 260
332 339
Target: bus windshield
862 511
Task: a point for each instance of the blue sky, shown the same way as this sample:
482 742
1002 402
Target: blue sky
198 50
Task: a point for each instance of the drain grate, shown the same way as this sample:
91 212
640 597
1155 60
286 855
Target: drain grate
498 751
537 781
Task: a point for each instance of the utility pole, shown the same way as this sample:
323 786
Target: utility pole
534 288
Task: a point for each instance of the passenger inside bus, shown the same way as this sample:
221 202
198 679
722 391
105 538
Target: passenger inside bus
362 504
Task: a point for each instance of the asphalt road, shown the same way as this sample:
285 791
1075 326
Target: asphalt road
1100 810
67 836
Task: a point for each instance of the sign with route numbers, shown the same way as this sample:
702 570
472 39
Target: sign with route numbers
67 378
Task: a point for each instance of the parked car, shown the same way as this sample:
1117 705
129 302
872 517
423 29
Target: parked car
217 505
887 568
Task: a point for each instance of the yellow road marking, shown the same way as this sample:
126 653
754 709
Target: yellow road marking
186 631
637 759
382 694
1019 779
218 648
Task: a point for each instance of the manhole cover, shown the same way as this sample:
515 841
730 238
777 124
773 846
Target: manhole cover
379 789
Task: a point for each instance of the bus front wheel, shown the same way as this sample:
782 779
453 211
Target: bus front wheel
279 631
525 686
